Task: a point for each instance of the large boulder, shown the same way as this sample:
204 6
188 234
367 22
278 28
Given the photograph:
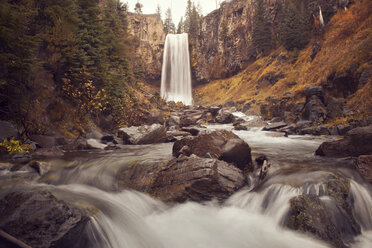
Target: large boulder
185 178
220 144
144 134
356 142
274 126
329 218
364 165
40 220
308 214
7 130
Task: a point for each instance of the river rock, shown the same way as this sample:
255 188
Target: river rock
308 214
173 120
329 218
220 144
356 142
364 166
144 134
95 144
237 152
44 141
214 110
190 118
40 220
7 130
196 179
40 167
274 126
225 116
194 131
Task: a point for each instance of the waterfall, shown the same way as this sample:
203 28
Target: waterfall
176 73
321 20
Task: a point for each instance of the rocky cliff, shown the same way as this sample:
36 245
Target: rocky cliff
148 35
217 56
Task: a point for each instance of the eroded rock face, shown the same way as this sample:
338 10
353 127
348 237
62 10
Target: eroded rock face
40 220
355 143
144 134
185 178
220 144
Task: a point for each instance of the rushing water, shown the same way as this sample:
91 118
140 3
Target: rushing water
176 74
249 218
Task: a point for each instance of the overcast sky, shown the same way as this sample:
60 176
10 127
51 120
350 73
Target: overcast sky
178 7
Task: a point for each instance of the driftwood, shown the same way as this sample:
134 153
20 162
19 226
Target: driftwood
13 240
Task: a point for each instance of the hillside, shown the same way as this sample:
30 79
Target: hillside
276 83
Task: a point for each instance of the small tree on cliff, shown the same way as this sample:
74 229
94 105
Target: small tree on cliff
262 36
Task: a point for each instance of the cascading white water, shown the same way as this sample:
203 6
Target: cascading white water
176 73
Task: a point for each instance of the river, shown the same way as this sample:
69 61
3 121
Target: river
252 217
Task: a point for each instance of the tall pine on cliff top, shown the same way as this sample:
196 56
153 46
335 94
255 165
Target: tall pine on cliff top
261 36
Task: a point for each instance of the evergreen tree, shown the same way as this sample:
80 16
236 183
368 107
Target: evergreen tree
295 27
261 36
194 23
169 27
188 14
138 8
158 10
180 27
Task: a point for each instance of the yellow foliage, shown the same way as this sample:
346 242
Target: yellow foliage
15 146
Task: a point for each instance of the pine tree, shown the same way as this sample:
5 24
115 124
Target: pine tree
188 15
194 23
169 27
180 27
158 10
295 28
261 36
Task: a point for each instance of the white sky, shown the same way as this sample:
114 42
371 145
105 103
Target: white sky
178 7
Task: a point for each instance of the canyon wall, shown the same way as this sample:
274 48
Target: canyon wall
216 55
148 36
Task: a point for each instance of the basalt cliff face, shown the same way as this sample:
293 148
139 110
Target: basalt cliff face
216 55
148 35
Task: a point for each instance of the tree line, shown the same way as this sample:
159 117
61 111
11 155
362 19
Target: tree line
295 27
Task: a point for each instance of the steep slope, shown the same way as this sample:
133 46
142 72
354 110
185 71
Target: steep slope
275 85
